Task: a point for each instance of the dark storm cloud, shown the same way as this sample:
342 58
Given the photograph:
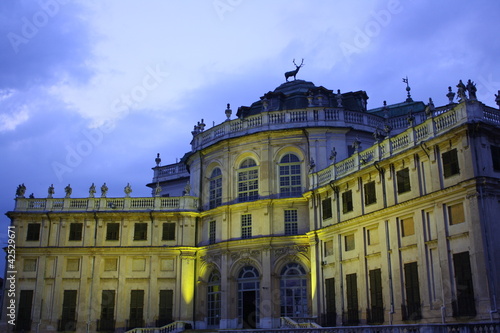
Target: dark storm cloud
41 42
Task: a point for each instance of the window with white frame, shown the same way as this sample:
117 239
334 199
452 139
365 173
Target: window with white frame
291 221
248 181
290 184
215 199
246 226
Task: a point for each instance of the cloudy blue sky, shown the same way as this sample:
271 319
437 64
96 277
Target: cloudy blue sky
91 90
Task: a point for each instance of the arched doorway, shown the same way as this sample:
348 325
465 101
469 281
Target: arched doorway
293 290
248 297
213 300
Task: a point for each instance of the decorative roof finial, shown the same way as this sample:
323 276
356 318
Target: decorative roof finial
408 97
158 160
450 95
228 111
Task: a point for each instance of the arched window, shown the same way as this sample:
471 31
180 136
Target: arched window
215 199
248 297
293 290
290 184
248 181
213 300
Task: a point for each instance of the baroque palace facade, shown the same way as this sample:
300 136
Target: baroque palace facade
307 206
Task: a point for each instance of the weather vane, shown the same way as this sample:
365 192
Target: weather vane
294 73
408 98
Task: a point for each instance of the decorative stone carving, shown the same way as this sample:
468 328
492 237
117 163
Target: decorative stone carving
104 190
127 190
450 95
461 92
68 190
471 89
20 191
51 191
92 191
158 160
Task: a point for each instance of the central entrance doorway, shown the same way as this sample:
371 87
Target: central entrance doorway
249 309
248 297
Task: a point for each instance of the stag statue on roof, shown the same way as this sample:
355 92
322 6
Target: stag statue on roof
294 73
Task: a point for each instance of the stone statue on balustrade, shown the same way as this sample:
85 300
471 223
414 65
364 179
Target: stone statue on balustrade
377 135
20 191
461 91
312 165
68 190
51 191
497 98
429 109
157 190
92 191
356 145
338 97
187 189
127 190
471 89
333 156
104 190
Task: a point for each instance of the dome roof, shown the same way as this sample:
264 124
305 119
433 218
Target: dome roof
294 87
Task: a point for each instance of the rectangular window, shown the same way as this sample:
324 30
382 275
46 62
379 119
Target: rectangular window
495 157
352 315
326 206
165 307
349 242
464 304
403 180
168 231
112 231
450 163
370 194
75 231
328 245
456 214
23 320
141 231
29 265
407 227
376 312
331 312
107 321
212 232
347 202
68 317
33 233
136 309
372 236
246 226
412 309
291 222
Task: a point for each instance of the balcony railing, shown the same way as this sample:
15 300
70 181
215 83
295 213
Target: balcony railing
434 126
310 117
185 203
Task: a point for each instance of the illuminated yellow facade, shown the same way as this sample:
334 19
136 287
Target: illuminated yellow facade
307 206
